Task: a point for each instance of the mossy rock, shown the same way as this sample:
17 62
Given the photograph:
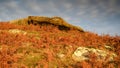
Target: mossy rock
41 20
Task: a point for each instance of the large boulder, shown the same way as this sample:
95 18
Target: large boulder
41 20
83 53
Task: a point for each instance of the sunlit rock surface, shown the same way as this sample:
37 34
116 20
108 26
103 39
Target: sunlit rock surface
41 20
82 53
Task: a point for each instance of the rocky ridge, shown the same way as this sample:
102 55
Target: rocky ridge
40 20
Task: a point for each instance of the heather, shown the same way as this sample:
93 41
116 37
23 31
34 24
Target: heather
46 46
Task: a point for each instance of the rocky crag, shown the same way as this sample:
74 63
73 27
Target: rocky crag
40 20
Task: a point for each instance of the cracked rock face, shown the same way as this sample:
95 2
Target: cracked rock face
82 53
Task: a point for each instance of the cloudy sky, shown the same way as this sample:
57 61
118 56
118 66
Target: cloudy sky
99 16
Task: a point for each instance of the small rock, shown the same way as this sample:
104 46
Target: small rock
60 55
109 47
17 31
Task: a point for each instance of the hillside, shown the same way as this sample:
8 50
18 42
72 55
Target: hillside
47 43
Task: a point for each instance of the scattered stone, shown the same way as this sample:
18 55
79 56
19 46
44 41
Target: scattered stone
60 55
109 47
82 53
17 31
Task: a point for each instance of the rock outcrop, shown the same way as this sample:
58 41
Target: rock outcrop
40 20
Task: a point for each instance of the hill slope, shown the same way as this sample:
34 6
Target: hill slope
47 46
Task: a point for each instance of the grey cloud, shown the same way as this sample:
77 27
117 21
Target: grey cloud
77 12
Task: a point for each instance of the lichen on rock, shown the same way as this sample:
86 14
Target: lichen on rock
82 53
